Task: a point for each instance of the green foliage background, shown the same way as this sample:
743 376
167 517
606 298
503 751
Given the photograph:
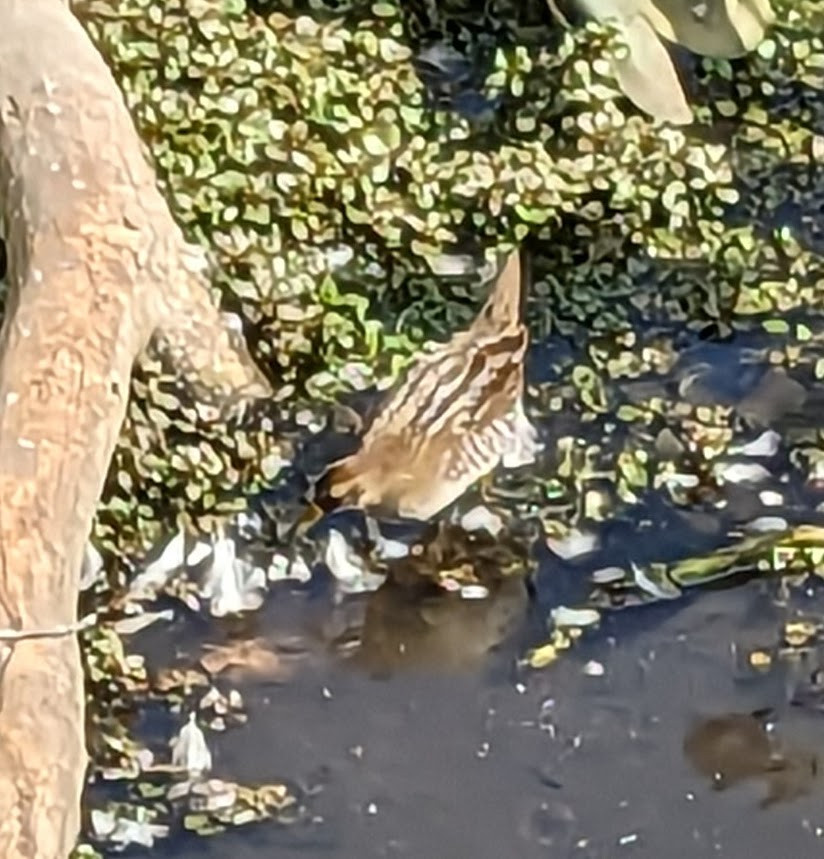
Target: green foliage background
290 135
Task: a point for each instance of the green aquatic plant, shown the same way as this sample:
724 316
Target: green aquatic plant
303 145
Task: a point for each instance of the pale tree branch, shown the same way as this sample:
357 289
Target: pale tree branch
97 265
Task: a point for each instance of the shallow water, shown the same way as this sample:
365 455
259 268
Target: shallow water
490 762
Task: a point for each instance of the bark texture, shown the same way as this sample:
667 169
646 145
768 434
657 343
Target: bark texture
97 266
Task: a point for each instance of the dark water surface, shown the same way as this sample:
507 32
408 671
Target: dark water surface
489 762
470 763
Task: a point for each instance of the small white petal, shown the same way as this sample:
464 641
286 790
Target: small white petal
677 478
452 264
189 749
594 669
134 623
343 563
741 472
103 822
91 571
231 584
564 616
281 567
768 523
474 592
300 570
200 550
769 498
347 567
481 518
338 256
608 574
278 568
391 549
765 445
156 574
575 543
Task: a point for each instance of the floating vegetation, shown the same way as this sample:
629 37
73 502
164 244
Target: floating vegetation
325 193
581 617
160 792
798 550
545 654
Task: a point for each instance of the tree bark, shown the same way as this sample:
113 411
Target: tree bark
97 266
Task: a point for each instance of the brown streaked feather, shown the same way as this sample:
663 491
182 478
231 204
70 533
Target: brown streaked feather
431 383
451 419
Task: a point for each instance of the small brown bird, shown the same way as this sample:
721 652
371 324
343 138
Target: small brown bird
450 421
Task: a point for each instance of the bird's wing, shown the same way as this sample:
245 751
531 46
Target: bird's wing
472 429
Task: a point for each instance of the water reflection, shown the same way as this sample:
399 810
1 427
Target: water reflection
423 626
445 603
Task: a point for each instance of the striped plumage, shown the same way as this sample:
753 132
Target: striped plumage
453 418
